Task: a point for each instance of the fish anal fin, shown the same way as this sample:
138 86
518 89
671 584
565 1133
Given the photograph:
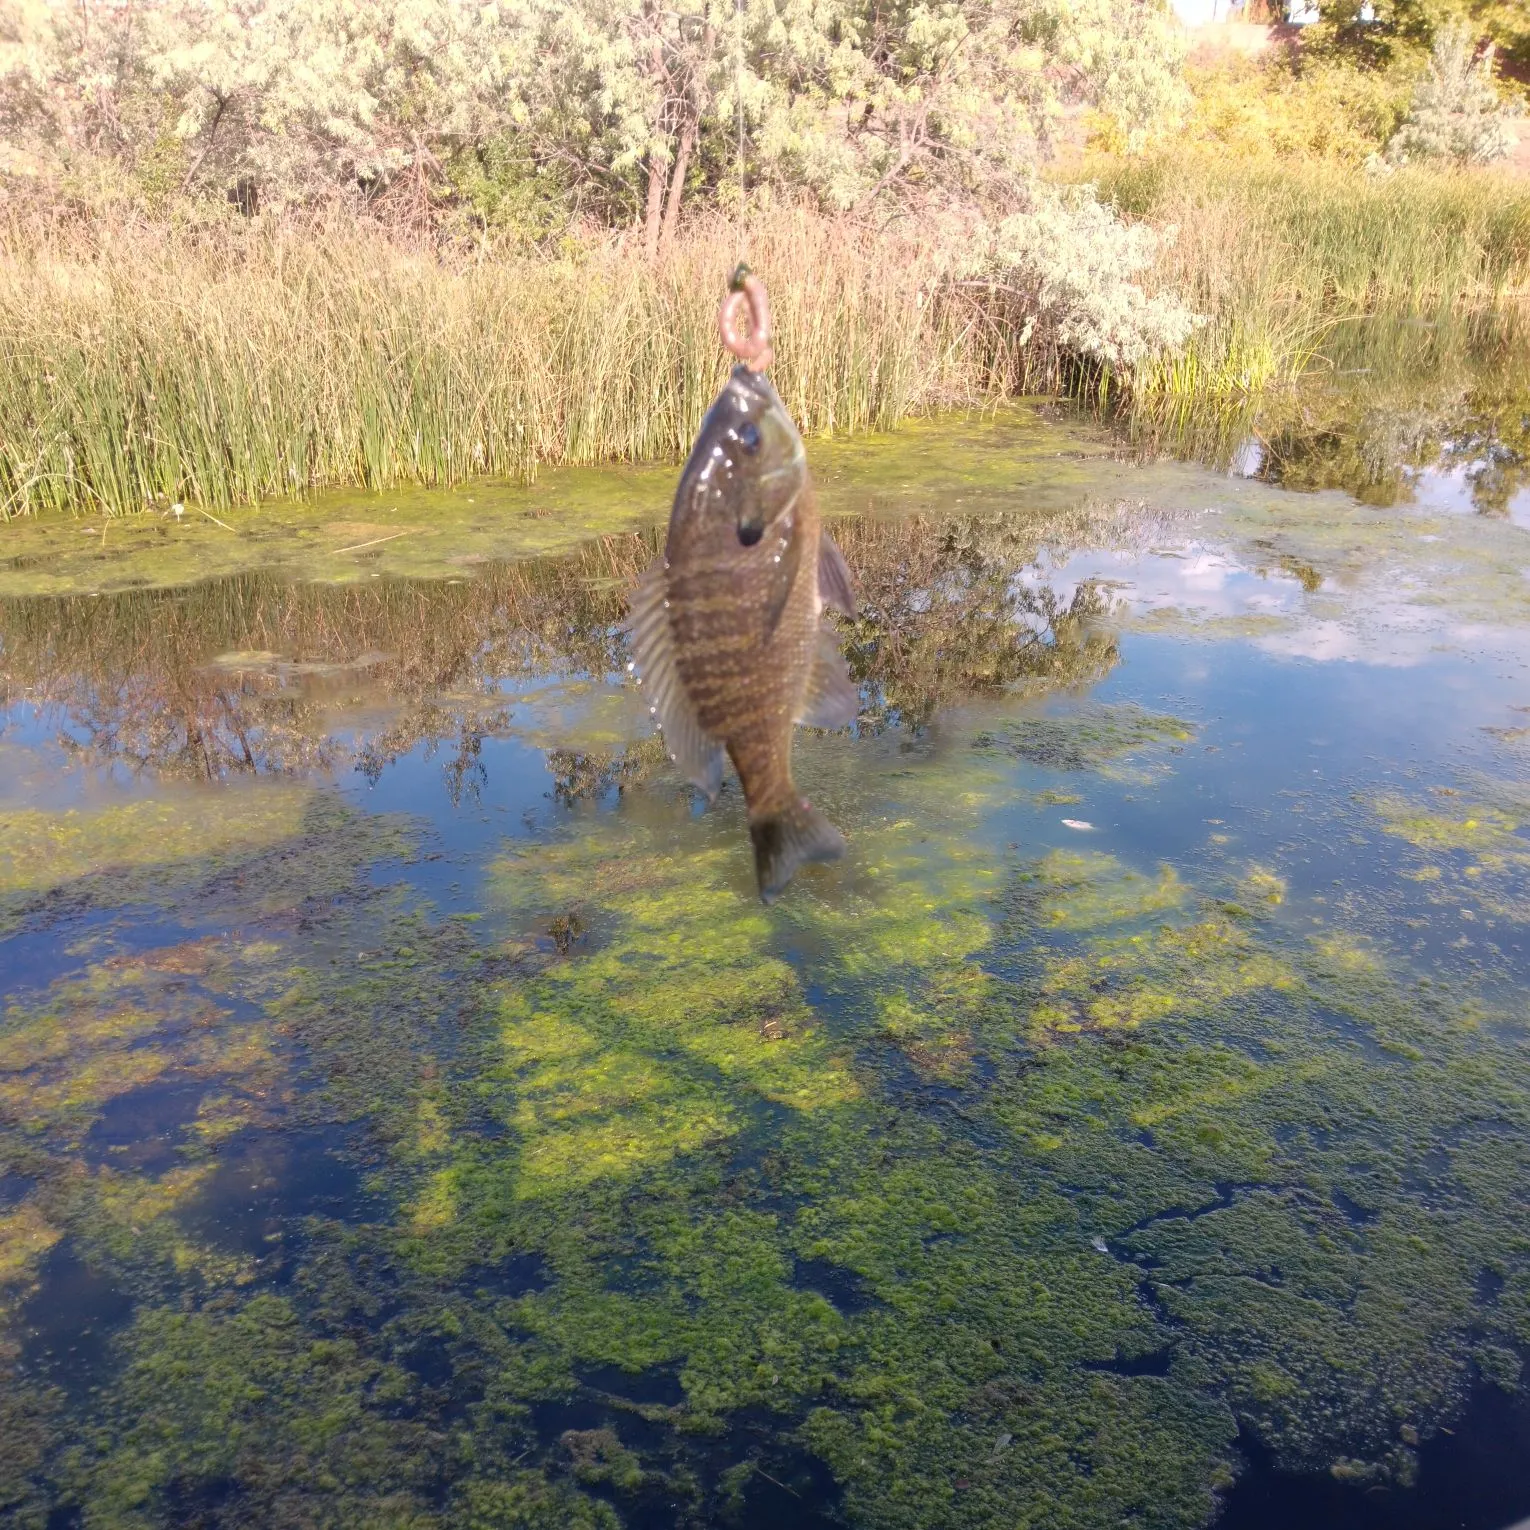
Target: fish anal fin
835 587
698 755
830 698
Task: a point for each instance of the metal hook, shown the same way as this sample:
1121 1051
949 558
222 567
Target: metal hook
746 290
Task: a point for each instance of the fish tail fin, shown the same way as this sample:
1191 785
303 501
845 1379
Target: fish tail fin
789 837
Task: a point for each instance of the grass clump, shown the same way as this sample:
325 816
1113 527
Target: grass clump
146 369
1282 255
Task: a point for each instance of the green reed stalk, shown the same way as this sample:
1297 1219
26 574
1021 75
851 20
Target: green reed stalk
142 366
1280 258
139 368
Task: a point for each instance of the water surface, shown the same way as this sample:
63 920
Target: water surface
408 1115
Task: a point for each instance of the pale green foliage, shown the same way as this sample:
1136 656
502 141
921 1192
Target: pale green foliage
858 98
1079 260
509 120
303 96
1457 114
313 99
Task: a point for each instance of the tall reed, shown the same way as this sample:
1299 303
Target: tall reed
138 367
144 365
1281 256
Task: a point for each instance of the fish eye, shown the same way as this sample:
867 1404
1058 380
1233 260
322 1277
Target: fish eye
749 535
749 437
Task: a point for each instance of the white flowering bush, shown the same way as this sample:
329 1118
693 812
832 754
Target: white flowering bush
630 106
1077 265
1457 114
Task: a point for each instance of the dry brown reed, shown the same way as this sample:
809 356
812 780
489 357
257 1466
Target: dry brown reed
140 367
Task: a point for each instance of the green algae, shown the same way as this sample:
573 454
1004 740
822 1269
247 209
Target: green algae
1483 830
443 533
137 844
973 463
670 1101
25 1236
203 1394
1010 1185
26 1415
1085 737
1065 471
616 1150
193 849
1467 849
247 1394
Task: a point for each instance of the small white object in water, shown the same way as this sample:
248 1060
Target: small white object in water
1099 1245
1077 823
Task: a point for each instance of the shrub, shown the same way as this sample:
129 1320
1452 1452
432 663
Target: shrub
1457 115
1080 265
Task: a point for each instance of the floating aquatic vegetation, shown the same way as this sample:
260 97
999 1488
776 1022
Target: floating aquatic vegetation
1469 848
1483 830
972 465
983 1182
25 1236
133 851
246 1395
1086 737
1260 887
680 1130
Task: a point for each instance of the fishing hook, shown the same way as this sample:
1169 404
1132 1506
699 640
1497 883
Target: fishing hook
746 290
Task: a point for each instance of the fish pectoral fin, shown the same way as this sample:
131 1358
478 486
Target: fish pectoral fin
698 755
835 587
830 698
785 553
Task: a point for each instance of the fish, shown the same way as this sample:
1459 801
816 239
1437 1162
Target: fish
727 624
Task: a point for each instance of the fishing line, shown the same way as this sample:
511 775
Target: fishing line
738 101
746 292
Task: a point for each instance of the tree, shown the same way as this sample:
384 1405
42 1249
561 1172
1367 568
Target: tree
863 99
856 103
1382 32
1456 112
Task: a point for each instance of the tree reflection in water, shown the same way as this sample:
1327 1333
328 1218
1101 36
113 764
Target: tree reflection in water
261 675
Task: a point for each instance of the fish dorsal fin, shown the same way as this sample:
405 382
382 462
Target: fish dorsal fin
692 748
834 584
830 699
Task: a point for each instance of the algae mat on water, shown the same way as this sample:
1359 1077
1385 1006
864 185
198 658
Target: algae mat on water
1019 459
1005 1187
418 1122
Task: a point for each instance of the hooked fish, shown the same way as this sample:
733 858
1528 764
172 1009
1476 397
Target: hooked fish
727 625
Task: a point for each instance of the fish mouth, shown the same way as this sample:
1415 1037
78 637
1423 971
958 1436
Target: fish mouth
749 384
754 397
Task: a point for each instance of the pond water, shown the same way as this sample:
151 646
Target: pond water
409 1116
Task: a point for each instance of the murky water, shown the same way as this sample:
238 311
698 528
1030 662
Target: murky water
409 1117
